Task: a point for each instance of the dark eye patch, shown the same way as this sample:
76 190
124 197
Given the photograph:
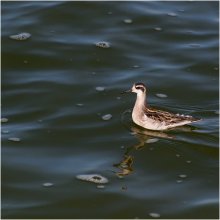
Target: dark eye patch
140 87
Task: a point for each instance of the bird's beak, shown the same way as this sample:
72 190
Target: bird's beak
126 91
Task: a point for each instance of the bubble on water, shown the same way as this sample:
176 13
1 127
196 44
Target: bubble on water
179 181
118 97
100 88
151 140
107 117
15 139
5 131
172 14
182 175
47 184
177 155
122 147
103 44
110 13
21 36
161 95
128 21
154 215
95 178
188 161
25 62
100 186
158 29
3 120
217 112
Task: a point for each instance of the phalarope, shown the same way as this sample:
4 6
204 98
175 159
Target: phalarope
154 119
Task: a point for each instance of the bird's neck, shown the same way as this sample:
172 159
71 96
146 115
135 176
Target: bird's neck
141 101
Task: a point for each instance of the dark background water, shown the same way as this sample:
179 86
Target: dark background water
170 46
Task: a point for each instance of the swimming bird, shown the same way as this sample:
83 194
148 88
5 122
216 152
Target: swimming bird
154 119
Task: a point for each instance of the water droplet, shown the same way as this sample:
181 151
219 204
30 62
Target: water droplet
95 178
161 95
3 120
21 36
151 140
103 44
154 215
15 139
182 175
158 29
100 88
128 21
47 184
107 117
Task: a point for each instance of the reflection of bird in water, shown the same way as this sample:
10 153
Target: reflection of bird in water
125 166
144 137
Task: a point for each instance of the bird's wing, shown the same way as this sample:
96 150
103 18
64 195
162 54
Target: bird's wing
167 117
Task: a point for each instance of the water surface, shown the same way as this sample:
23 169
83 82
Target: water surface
50 99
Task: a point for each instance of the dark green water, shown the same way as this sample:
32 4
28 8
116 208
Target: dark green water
170 46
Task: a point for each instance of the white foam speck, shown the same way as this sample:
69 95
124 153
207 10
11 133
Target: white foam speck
128 21
79 104
95 178
161 95
151 140
21 36
107 117
100 88
103 44
154 215
158 29
100 186
47 184
182 175
3 120
15 139
172 14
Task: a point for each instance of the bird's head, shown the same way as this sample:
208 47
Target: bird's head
138 88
